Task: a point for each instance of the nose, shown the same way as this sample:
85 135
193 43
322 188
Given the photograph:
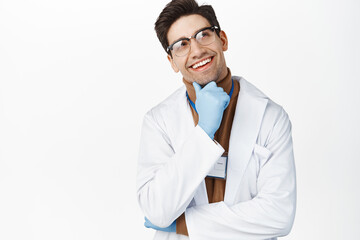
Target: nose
196 50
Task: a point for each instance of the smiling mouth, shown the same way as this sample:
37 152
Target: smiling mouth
202 63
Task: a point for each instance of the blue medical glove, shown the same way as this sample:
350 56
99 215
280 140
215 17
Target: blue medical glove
171 228
211 101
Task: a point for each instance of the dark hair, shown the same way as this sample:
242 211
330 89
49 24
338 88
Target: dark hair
179 8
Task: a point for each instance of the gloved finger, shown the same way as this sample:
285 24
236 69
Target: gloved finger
227 101
219 94
210 85
148 224
224 98
197 88
215 89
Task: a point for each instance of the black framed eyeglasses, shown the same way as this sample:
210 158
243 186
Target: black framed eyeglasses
204 36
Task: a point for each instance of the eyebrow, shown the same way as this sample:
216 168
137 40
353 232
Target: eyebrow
183 37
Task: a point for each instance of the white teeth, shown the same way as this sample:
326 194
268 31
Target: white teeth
202 63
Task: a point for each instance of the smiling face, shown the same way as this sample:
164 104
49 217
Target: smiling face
202 64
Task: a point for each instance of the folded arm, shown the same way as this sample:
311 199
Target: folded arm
269 214
167 180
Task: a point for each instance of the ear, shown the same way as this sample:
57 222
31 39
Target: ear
224 40
173 64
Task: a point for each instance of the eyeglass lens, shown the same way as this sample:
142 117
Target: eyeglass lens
182 47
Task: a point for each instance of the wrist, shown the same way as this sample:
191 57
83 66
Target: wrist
208 131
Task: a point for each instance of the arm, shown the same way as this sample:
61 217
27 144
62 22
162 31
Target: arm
269 214
167 180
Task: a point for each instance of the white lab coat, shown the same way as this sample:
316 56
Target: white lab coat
175 157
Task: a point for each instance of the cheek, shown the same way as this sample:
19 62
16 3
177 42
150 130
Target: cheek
181 64
175 65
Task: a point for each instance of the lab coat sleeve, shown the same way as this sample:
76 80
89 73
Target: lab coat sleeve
269 214
167 179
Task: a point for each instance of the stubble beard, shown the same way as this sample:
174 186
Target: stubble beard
203 80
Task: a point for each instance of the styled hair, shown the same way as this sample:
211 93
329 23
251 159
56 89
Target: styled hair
179 8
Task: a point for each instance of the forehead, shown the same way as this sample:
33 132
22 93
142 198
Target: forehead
186 26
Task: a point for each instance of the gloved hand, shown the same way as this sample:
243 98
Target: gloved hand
171 228
211 101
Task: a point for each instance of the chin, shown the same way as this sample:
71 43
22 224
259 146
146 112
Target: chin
206 81
202 80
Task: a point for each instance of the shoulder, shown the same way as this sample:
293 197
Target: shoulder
274 115
248 88
169 107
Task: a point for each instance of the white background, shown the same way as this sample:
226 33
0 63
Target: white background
76 78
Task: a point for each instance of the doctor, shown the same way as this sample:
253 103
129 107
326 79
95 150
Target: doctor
216 157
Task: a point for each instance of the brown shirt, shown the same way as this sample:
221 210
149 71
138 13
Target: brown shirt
215 187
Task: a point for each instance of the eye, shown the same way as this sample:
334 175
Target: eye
184 43
203 34
181 44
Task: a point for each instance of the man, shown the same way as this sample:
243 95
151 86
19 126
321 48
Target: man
216 158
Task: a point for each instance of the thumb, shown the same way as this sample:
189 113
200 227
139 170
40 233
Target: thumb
197 87
227 102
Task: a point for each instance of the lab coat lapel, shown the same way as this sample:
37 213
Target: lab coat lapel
246 125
